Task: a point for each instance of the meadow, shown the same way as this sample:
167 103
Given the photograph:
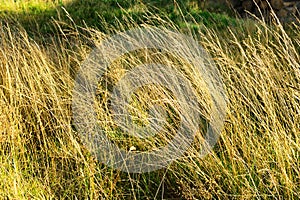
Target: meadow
42 46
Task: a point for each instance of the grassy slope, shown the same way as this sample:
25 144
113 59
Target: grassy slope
256 157
35 15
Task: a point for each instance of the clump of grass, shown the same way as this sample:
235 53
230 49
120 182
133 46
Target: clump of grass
257 155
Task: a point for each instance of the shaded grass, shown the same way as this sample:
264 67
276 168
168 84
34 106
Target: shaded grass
37 16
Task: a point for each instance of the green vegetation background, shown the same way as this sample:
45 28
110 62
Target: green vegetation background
37 16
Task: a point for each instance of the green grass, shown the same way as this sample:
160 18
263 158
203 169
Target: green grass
37 16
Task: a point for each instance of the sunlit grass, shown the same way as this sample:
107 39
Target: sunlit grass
30 5
257 156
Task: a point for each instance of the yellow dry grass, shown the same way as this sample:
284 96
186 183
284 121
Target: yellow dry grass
257 155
